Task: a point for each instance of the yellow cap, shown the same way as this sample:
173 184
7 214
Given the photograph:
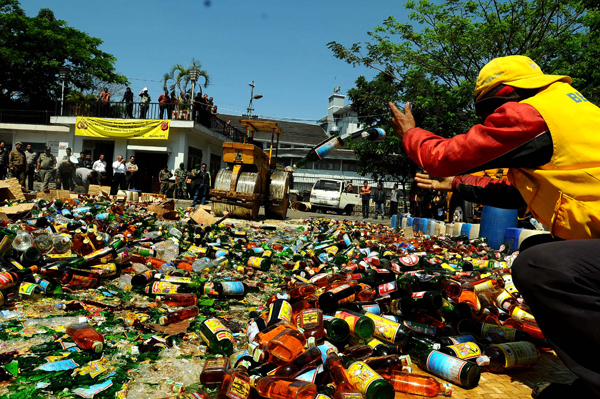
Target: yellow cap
516 71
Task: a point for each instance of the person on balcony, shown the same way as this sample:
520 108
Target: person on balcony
198 104
171 105
163 104
104 100
17 162
128 100
144 102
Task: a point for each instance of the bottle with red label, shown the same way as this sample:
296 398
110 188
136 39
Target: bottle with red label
284 347
86 337
361 326
217 337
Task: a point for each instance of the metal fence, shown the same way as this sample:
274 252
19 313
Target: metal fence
28 117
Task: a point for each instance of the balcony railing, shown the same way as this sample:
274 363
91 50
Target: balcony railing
137 110
28 117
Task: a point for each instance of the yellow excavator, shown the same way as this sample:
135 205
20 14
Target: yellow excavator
251 179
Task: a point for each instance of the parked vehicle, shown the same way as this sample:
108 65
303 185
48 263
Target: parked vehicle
330 194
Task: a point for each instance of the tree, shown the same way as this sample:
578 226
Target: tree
383 160
180 75
437 56
33 48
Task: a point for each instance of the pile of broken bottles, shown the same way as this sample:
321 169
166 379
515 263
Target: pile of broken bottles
104 299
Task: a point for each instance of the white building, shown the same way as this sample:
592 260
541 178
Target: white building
341 116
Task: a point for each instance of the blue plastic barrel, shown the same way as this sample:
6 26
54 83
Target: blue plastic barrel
423 225
494 222
415 225
466 229
511 237
394 220
409 222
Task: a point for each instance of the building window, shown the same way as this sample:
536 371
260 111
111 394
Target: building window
328 164
350 166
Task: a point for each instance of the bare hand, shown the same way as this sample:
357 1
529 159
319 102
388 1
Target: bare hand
429 182
402 122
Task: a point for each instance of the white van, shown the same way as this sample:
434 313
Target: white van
329 194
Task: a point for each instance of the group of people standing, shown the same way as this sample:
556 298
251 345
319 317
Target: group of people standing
379 196
194 184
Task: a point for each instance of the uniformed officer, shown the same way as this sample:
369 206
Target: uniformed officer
17 163
163 179
45 164
30 156
180 181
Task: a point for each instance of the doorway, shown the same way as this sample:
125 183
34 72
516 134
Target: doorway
150 164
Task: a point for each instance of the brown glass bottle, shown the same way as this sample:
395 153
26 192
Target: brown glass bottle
311 321
214 371
236 384
180 315
178 299
86 337
272 388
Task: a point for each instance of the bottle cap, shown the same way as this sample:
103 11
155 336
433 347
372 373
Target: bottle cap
97 346
446 389
163 320
483 361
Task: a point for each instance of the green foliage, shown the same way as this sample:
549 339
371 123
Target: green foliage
180 75
33 48
434 60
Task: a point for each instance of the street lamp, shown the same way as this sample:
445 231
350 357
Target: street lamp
252 97
194 75
62 75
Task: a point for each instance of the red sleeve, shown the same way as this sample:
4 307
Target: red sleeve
511 126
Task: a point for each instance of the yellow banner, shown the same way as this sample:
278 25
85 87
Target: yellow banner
153 129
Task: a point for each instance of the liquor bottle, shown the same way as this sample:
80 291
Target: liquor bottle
337 330
272 388
187 299
178 316
380 348
500 334
329 300
369 383
510 356
256 324
142 279
357 352
23 241
278 311
339 374
529 327
450 368
260 263
390 362
284 347
43 242
465 350
236 383
299 365
371 134
62 243
6 239
78 278
217 337
86 337
389 331
416 384
214 371
311 321
361 327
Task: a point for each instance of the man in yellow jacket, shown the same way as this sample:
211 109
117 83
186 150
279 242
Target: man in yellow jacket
546 132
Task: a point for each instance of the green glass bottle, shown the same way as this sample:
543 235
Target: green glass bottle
368 382
217 337
361 326
337 330
6 239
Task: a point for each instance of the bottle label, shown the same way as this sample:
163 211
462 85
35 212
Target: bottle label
486 286
349 318
239 388
5 244
161 287
374 309
326 348
27 288
233 288
410 260
255 262
82 281
519 354
177 279
285 312
386 288
328 147
521 315
461 339
106 270
44 284
503 296
418 295
309 319
217 362
361 376
466 350
374 343
252 330
339 288
17 264
6 280
217 328
209 289
445 366
420 327
384 329
498 333
267 254
102 251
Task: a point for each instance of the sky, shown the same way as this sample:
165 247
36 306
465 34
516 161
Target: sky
281 45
